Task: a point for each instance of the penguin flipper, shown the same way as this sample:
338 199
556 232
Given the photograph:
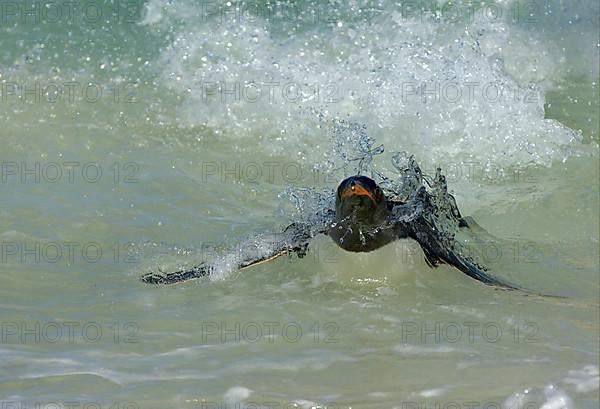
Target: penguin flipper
294 239
437 252
199 271
439 246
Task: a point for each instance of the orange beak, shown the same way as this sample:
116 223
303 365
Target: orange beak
356 190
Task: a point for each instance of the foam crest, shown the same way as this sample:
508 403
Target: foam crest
436 90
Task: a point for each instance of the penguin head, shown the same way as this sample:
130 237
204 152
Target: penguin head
359 199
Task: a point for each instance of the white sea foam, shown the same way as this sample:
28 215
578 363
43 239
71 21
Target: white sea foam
585 379
555 396
382 80
236 394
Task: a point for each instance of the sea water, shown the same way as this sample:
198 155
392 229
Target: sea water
139 136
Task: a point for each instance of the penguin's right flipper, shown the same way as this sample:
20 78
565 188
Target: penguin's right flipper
294 239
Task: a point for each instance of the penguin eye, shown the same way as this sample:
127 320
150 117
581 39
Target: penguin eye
353 186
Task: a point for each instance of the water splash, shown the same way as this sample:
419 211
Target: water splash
354 151
351 148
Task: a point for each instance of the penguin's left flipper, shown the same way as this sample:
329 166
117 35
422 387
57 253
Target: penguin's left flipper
437 252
